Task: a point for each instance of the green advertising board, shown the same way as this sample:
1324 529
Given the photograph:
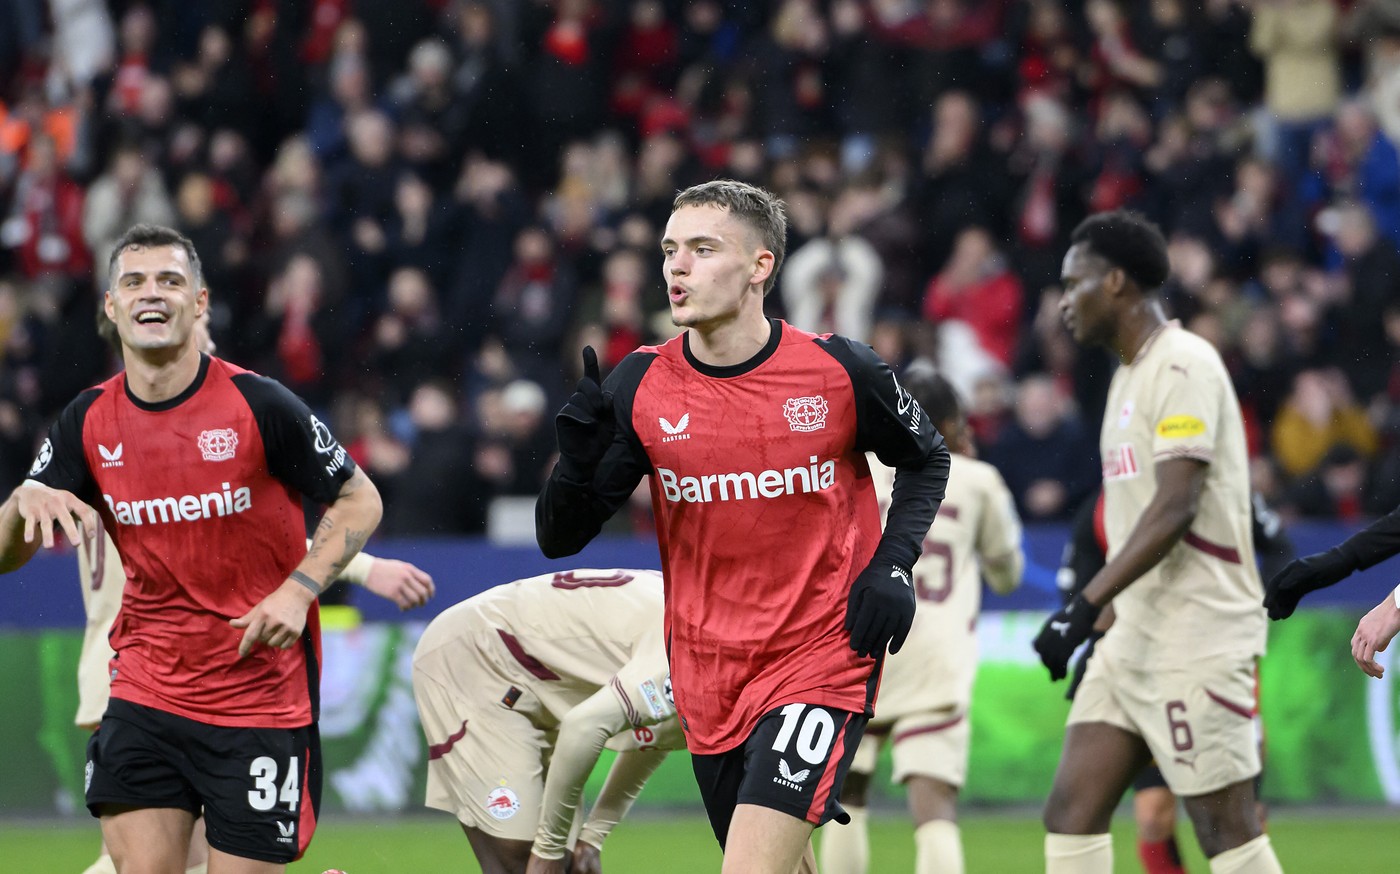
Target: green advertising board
1331 734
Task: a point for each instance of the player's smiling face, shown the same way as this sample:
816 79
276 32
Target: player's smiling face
153 301
1086 307
714 266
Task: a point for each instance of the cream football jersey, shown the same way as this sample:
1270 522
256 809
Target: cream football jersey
102 578
558 639
977 522
1204 598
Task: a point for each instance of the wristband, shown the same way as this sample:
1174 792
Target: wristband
1396 595
306 581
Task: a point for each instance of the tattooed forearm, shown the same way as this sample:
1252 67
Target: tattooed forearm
344 529
354 542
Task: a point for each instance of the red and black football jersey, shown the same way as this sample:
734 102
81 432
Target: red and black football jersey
202 495
765 513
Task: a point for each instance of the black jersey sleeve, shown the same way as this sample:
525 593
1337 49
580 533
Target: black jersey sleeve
1272 544
890 423
61 462
1083 557
568 516
300 449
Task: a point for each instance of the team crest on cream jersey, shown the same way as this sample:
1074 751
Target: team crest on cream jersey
806 413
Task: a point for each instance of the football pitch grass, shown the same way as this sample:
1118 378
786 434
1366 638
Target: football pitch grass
1308 842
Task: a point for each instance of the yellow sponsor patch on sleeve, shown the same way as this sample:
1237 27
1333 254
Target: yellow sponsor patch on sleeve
1180 426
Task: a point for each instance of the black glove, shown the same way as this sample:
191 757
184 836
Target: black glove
880 609
1303 575
585 426
1063 633
1081 664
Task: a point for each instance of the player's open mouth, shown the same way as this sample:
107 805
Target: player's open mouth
151 317
678 294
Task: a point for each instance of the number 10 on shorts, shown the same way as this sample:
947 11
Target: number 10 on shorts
264 795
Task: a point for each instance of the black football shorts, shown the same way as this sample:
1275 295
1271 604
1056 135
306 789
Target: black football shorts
794 761
259 789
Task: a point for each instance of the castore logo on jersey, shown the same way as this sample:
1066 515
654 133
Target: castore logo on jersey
676 431
111 457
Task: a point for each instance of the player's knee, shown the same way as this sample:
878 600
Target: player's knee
1069 813
1224 822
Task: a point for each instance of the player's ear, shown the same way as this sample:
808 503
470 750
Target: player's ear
1115 280
107 305
762 267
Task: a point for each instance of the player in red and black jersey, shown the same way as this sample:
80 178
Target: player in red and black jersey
781 593
197 469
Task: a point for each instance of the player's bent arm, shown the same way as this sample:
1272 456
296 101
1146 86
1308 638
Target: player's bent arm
344 528
1180 482
582 734
1003 573
627 776
404 583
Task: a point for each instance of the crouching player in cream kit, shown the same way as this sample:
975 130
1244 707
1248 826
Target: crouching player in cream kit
927 687
520 688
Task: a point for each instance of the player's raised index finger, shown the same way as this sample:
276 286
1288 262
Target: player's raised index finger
590 365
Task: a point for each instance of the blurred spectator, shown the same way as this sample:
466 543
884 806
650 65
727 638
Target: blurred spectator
533 304
977 288
130 192
215 88
1296 40
1371 272
831 283
432 118
1358 162
516 452
299 334
1048 460
410 346
1320 415
438 494
961 183
44 225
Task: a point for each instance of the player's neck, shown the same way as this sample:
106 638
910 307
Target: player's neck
158 375
730 342
1140 322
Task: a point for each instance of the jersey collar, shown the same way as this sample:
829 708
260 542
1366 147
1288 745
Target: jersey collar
775 336
174 402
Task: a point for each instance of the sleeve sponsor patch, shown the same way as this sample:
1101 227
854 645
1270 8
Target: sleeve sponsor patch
656 703
1181 426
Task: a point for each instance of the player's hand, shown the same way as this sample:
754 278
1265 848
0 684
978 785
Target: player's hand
276 620
1301 576
405 584
588 859
537 865
1373 635
42 508
1062 634
880 609
585 426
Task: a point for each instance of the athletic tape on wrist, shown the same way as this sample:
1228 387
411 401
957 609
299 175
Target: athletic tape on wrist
1396 595
306 581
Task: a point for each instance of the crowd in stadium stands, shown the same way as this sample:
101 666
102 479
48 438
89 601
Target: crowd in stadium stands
415 213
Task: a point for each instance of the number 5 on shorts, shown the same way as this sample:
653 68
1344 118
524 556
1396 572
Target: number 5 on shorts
264 794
